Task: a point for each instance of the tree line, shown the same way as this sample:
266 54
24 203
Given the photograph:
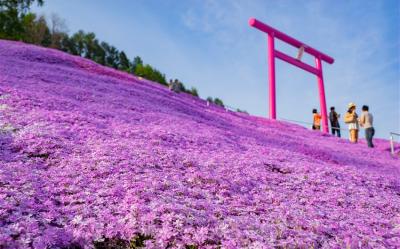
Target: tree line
18 23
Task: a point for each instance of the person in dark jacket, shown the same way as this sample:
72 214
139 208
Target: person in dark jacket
334 119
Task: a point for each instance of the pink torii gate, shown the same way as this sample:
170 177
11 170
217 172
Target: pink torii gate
272 53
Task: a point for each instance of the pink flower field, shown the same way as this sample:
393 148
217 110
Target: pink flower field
93 157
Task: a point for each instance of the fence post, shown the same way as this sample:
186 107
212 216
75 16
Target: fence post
391 144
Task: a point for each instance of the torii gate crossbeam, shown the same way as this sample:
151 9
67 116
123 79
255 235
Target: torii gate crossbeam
272 53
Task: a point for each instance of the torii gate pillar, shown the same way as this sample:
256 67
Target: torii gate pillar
271 76
272 53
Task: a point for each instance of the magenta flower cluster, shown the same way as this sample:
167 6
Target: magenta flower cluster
89 153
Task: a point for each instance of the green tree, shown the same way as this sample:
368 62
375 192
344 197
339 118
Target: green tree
160 77
12 13
148 72
111 55
78 39
219 102
68 45
124 63
136 61
29 27
99 53
144 71
36 30
193 91
89 44
216 101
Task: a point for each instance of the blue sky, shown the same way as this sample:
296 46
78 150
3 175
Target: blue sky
209 45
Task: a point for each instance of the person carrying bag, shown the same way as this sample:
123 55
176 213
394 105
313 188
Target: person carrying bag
351 119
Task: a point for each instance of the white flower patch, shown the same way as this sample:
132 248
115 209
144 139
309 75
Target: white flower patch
77 220
6 128
3 107
4 96
35 128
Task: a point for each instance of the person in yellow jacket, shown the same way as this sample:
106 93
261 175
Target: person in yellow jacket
351 118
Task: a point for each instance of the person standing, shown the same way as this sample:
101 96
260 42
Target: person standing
366 121
316 120
351 118
175 85
334 119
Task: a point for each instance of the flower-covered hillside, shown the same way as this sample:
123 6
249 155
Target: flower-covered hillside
90 155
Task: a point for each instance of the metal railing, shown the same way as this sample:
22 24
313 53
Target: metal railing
233 109
392 134
227 107
310 124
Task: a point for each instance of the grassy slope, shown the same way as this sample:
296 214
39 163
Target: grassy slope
89 153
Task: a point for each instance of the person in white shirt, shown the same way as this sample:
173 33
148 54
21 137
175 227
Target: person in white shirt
366 121
351 118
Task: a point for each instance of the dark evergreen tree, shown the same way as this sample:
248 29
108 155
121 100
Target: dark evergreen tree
68 45
219 102
89 41
124 63
193 91
111 55
79 40
99 53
